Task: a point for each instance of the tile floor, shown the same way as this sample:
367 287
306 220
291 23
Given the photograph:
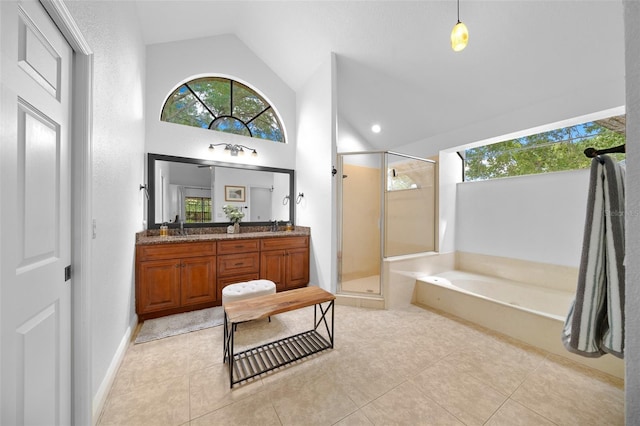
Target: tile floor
408 366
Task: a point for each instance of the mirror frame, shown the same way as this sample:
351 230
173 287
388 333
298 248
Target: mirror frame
151 188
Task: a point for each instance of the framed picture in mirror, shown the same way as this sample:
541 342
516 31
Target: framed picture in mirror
234 193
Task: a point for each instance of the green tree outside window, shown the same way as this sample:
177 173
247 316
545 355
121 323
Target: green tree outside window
556 150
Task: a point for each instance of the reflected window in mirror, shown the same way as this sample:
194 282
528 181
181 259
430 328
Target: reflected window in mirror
224 105
197 209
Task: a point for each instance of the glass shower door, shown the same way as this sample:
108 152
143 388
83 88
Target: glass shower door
409 205
360 234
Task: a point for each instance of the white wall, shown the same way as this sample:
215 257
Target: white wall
171 64
539 218
314 159
118 164
632 342
449 175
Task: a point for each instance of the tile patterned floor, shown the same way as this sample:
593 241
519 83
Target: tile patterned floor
404 367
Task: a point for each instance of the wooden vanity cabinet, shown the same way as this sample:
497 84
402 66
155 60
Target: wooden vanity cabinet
172 278
285 261
238 261
183 276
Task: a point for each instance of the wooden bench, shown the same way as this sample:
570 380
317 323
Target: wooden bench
261 359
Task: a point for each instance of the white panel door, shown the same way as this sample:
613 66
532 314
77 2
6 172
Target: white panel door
260 204
35 298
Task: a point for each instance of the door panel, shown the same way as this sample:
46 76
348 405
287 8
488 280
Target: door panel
161 284
297 268
198 283
272 267
37 360
38 186
36 56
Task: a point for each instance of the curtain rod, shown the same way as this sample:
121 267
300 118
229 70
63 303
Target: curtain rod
592 152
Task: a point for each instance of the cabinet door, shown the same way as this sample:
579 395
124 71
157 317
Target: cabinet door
272 267
159 285
297 268
198 280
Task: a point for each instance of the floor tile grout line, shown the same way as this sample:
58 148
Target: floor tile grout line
533 411
530 374
438 404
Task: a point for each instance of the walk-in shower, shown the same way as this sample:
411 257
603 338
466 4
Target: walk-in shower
386 209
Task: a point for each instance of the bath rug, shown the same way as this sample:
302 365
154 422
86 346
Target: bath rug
172 325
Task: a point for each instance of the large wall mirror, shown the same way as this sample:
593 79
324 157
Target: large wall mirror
195 190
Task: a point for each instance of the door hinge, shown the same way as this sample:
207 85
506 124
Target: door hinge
67 273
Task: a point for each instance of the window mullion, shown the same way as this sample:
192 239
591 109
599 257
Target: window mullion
259 114
200 100
231 99
172 116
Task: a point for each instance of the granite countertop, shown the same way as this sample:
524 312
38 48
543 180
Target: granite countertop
152 236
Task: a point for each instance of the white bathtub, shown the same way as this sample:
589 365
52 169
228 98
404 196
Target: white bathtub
535 299
530 313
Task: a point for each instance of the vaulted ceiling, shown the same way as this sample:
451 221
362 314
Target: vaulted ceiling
395 65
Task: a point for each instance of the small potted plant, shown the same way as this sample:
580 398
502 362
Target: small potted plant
235 215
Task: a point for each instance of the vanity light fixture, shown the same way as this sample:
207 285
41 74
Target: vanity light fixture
234 149
459 34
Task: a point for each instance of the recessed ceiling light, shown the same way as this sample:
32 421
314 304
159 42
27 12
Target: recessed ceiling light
376 128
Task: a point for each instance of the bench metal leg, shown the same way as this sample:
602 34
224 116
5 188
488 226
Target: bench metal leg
229 331
323 319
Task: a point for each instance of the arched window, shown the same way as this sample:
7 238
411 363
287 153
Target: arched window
225 105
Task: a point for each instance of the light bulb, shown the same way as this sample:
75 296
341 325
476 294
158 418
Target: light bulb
459 37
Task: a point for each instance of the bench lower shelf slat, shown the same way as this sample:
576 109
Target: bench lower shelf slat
251 362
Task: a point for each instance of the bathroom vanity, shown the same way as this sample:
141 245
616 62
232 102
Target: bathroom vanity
180 273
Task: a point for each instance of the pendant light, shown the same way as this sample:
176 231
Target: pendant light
459 34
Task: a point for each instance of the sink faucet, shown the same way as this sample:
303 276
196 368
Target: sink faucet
274 226
182 231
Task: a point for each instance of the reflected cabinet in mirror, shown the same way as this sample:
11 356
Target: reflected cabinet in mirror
195 191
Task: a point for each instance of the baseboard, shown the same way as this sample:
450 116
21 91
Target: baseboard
100 398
